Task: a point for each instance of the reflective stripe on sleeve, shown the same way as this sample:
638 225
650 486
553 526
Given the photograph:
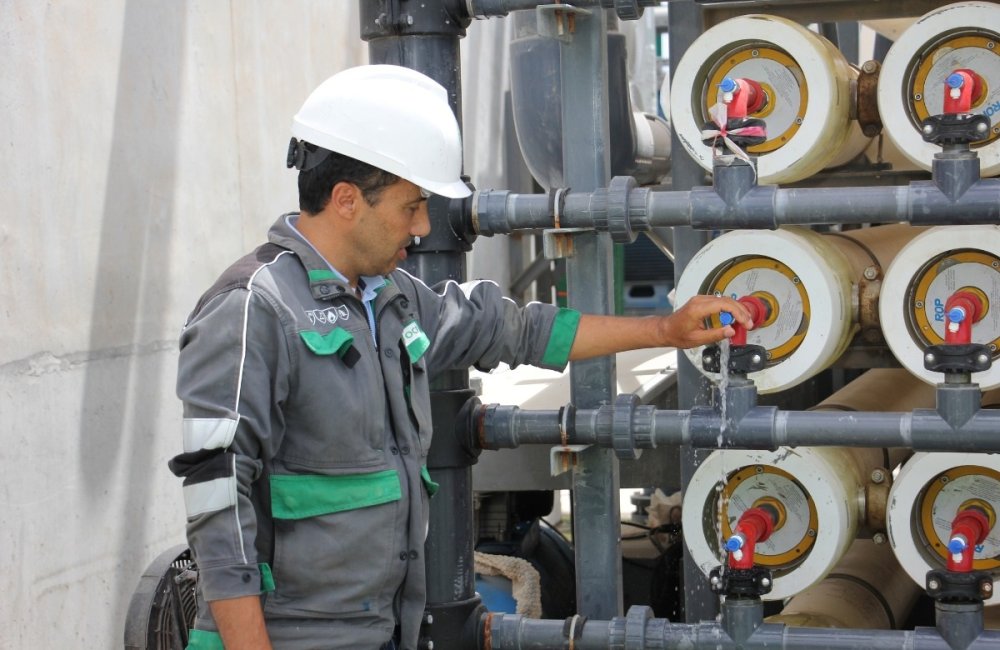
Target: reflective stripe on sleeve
210 496
208 433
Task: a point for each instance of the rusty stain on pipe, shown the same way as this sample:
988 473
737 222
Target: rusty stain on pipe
488 631
481 426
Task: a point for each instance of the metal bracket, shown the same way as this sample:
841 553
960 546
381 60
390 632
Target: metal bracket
557 243
558 21
564 458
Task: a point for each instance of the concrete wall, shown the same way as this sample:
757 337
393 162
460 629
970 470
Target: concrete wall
143 148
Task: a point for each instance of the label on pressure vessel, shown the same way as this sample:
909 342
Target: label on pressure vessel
974 271
794 536
780 78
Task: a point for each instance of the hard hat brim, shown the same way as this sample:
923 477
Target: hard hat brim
453 190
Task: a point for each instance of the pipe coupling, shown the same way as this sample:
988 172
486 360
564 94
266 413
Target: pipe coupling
619 224
495 428
631 427
636 622
489 212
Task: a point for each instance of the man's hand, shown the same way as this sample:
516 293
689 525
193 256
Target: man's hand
685 328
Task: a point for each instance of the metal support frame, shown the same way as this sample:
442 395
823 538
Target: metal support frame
685 23
584 75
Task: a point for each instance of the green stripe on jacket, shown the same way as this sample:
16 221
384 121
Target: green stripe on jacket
561 338
297 496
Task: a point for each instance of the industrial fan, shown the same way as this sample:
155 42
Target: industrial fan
163 606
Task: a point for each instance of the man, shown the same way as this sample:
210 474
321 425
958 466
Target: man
305 373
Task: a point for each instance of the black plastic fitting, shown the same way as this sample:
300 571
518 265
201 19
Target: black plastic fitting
455 445
743 359
741 583
382 18
952 358
959 587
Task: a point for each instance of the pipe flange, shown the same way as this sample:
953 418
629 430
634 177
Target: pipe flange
635 626
617 209
621 427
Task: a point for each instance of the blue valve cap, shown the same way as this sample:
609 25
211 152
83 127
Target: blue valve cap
955 80
957 545
734 544
726 318
728 85
956 314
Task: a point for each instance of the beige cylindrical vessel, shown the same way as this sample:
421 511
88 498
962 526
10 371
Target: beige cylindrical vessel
867 590
918 283
929 491
824 287
807 82
911 86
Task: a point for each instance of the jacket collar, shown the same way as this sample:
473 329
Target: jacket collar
325 282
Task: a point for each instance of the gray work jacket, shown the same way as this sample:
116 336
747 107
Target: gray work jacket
305 440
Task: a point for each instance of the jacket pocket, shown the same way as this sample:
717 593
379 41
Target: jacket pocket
333 542
337 408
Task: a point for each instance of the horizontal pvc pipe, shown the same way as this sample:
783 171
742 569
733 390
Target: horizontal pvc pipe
507 427
512 632
919 203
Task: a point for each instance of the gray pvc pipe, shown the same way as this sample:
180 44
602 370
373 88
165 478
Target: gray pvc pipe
507 427
638 631
919 203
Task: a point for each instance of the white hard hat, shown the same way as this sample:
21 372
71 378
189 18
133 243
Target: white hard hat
391 117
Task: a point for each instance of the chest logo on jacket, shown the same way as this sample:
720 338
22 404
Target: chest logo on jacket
328 316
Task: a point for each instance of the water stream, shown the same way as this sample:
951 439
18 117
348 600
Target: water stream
723 385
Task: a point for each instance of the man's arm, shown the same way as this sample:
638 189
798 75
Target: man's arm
685 328
241 623
229 352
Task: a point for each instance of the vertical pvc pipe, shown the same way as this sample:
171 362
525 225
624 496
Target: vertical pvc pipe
584 74
685 25
425 37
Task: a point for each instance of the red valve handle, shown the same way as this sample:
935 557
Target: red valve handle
755 525
759 311
748 97
961 100
973 526
961 332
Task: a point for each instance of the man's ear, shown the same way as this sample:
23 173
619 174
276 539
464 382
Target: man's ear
345 199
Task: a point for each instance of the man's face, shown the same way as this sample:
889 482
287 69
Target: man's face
385 229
